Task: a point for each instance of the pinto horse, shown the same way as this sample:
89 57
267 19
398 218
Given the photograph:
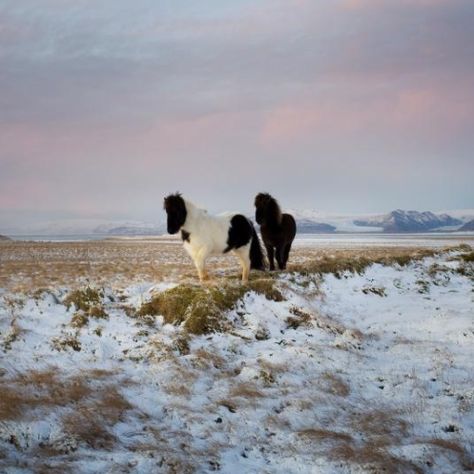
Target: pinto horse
278 230
204 235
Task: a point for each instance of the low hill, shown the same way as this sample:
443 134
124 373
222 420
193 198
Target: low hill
307 226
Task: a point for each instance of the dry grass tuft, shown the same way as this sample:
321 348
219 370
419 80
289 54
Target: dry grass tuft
11 335
66 342
468 257
333 384
299 318
246 390
87 303
375 290
205 359
459 248
267 288
83 299
79 320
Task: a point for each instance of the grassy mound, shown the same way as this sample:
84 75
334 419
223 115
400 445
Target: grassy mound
200 308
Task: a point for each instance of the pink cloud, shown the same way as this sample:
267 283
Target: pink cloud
429 113
380 4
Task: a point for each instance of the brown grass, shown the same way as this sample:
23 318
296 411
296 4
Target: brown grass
29 266
464 458
11 335
205 359
333 384
91 423
246 390
39 389
320 434
373 459
299 318
380 426
88 409
468 257
65 343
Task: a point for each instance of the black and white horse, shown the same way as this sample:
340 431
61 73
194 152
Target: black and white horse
204 235
278 230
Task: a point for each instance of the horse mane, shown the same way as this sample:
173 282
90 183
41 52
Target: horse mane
270 206
172 202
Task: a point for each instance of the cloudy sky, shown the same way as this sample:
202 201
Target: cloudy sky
336 105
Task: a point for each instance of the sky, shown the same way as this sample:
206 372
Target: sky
334 105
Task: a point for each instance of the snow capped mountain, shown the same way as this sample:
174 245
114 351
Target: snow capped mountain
71 227
395 221
338 222
468 226
130 228
410 221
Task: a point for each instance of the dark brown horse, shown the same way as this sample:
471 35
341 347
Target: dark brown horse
278 230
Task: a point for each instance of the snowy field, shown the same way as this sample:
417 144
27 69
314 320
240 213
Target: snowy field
358 359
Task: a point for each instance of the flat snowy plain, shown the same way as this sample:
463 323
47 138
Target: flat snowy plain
332 371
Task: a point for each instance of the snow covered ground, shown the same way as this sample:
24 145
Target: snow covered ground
368 372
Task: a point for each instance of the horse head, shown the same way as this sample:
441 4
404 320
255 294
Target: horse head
175 208
267 210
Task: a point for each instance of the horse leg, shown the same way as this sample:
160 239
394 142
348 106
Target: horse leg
270 254
286 254
199 262
280 257
244 257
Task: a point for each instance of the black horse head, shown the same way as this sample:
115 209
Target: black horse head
176 210
267 210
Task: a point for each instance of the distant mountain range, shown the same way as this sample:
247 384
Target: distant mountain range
130 228
397 221
308 221
410 221
312 222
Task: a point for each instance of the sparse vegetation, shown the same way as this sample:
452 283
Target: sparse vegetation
287 369
423 286
11 335
468 257
375 290
299 318
83 299
66 342
87 302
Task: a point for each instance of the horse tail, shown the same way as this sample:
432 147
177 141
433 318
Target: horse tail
256 254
